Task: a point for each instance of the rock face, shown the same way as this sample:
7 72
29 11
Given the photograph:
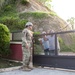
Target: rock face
47 21
33 6
50 21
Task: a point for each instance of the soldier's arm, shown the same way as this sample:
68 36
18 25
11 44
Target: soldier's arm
25 40
25 36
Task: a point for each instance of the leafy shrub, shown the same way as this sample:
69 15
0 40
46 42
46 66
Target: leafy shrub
60 40
4 40
21 24
37 45
36 37
63 46
14 23
36 33
38 49
7 5
12 1
7 8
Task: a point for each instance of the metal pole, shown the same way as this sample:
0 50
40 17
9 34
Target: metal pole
56 50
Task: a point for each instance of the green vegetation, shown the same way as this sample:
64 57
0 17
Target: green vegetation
36 15
38 49
43 1
71 21
7 13
6 63
37 46
14 23
36 37
53 13
36 33
66 48
9 17
24 2
4 40
1 3
46 3
6 5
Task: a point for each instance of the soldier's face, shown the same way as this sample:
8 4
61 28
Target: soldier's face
30 27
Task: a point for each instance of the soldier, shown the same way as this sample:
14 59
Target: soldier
26 47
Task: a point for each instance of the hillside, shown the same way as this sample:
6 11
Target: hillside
33 6
46 19
50 20
16 14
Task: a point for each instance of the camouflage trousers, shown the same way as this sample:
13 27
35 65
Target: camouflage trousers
27 54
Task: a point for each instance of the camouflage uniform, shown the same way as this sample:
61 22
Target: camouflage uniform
27 52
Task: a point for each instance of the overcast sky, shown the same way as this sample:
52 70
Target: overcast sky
64 8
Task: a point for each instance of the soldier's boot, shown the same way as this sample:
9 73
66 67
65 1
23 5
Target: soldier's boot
30 66
25 68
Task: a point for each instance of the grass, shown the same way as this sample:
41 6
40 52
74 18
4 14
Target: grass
65 48
6 63
36 15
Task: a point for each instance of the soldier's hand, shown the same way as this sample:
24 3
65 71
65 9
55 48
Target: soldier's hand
26 46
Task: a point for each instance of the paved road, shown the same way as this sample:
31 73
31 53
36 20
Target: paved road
38 71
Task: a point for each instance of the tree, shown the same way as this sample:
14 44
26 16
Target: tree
46 2
71 21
